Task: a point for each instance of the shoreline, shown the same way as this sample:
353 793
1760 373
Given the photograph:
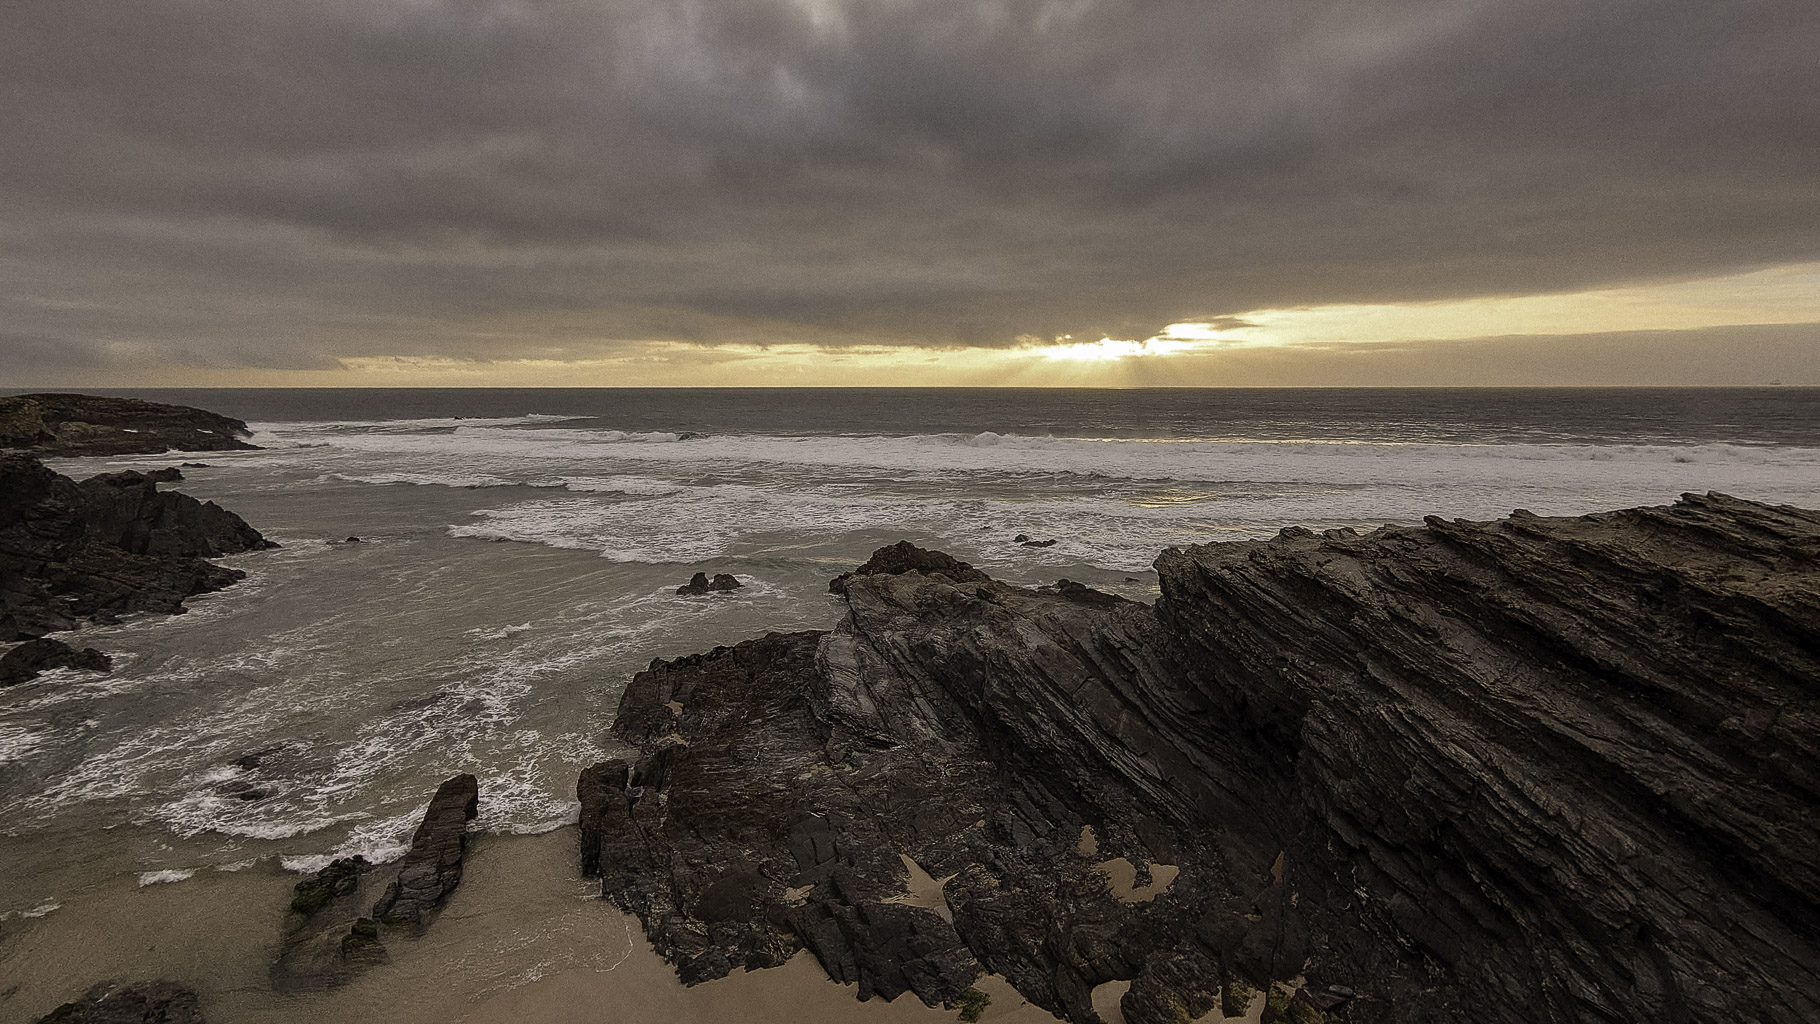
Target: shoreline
524 938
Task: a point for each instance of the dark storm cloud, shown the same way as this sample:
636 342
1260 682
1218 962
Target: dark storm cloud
277 181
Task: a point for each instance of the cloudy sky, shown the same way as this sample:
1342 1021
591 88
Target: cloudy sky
909 191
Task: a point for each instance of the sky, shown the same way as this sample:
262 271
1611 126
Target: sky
1012 192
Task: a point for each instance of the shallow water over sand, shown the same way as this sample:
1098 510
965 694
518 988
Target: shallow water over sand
523 939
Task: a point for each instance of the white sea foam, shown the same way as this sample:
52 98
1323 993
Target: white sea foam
165 877
468 480
379 841
17 741
645 463
306 427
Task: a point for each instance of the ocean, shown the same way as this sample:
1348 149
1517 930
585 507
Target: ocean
520 549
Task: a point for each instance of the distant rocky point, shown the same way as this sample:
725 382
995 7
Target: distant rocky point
66 425
1519 772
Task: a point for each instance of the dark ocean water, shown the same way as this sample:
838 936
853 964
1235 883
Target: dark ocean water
521 550
1448 415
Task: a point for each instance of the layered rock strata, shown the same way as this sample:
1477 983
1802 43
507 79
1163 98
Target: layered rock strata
59 424
1521 771
340 917
112 544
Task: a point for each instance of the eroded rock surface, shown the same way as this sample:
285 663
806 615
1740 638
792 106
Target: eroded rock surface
28 659
1530 770
145 1002
73 552
431 869
340 917
62 424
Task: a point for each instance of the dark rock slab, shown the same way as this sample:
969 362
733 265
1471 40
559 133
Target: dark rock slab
88 552
322 942
66 424
25 661
340 918
431 869
1533 770
145 1002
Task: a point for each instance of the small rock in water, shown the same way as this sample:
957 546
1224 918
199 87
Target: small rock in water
194 465
701 584
25 661
352 540
1027 542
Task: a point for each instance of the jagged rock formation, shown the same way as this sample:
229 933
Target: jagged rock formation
146 1002
1525 771
34 656
58 424
330 935
73 552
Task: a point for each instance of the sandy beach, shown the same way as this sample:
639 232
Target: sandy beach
525 939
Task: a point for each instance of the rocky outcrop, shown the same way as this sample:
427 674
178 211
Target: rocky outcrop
700 584
341 916
146 1002
62 425
904 557
113 544
1531 770
34 656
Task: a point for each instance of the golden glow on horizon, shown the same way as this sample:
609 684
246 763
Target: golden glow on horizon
1780 295
1264 343
1108 350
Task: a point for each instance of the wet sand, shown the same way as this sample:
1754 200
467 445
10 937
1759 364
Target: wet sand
523 940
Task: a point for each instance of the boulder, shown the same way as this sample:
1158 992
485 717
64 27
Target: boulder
700 583
904 557
25 661
145 1002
